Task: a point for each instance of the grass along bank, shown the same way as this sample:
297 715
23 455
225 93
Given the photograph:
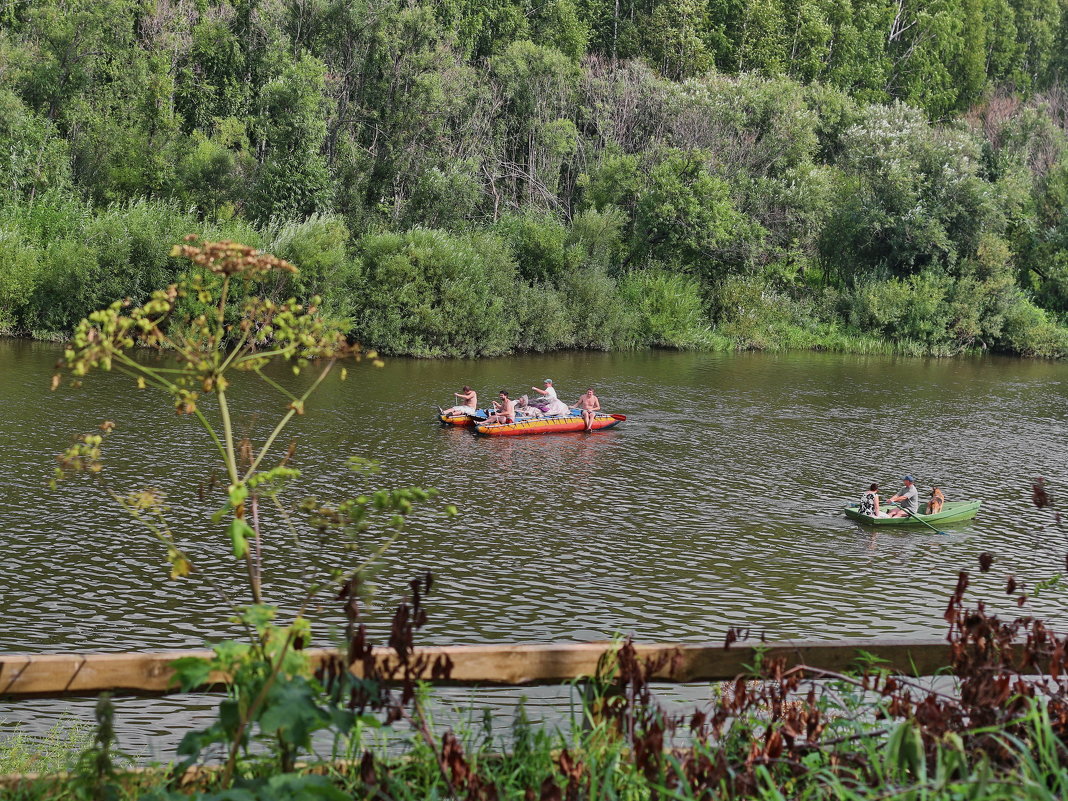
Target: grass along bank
432 293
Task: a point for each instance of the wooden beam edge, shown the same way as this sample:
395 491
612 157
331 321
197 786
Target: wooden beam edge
491 664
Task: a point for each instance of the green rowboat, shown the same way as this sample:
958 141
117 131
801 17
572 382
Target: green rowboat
952 511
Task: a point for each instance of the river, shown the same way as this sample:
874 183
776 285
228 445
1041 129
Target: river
716 504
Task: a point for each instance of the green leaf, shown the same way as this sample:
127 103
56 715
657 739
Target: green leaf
342 719
190 672
233 794
230 652
295 787
291 712
230 715
196 741
238 494
259 616
905 750
240 531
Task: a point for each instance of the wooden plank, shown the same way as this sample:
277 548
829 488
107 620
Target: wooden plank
496 664
55 675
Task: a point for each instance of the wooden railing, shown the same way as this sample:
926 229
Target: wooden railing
149 674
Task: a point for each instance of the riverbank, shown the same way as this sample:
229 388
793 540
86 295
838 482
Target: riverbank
825 339
791 337
752 741
434 293
773 724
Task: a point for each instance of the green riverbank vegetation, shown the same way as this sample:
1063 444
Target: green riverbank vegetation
476 178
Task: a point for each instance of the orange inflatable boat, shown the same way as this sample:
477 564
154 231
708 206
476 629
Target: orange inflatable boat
462 419
548 425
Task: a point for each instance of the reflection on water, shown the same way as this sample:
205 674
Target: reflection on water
715 504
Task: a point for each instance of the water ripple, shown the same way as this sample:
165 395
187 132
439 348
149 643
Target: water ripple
715 505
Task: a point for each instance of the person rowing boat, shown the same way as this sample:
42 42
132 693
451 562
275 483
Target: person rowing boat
468 405
503 410
908 500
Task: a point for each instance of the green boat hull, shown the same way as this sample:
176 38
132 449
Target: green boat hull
952 512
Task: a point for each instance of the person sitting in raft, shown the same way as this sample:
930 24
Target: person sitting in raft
869 503
934 506
503 410
589 405
555 406
523 408
468 404
908 499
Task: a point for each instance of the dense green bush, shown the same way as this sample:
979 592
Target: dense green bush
33 157
542 318
753 313
60 258
20 268
1030 331
539 244
320 245
910 197
600 317
668 308
431 293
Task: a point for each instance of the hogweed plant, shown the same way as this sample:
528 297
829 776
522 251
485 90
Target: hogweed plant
207 327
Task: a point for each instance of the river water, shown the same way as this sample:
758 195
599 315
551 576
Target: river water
716 504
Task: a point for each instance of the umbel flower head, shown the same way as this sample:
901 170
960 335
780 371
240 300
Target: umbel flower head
221 329
230 258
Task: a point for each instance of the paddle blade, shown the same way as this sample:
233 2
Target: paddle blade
619 417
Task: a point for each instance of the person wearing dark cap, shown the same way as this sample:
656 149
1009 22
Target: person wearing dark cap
908 498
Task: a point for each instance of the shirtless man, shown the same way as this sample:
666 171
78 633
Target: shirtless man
468 403
589 405
503 411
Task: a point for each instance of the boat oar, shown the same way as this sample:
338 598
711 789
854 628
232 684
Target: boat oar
920 519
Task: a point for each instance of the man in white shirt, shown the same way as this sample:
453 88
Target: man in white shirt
556 406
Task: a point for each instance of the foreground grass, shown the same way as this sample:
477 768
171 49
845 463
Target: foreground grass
862 760
52 752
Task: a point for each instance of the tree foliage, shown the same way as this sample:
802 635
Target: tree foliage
551 151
